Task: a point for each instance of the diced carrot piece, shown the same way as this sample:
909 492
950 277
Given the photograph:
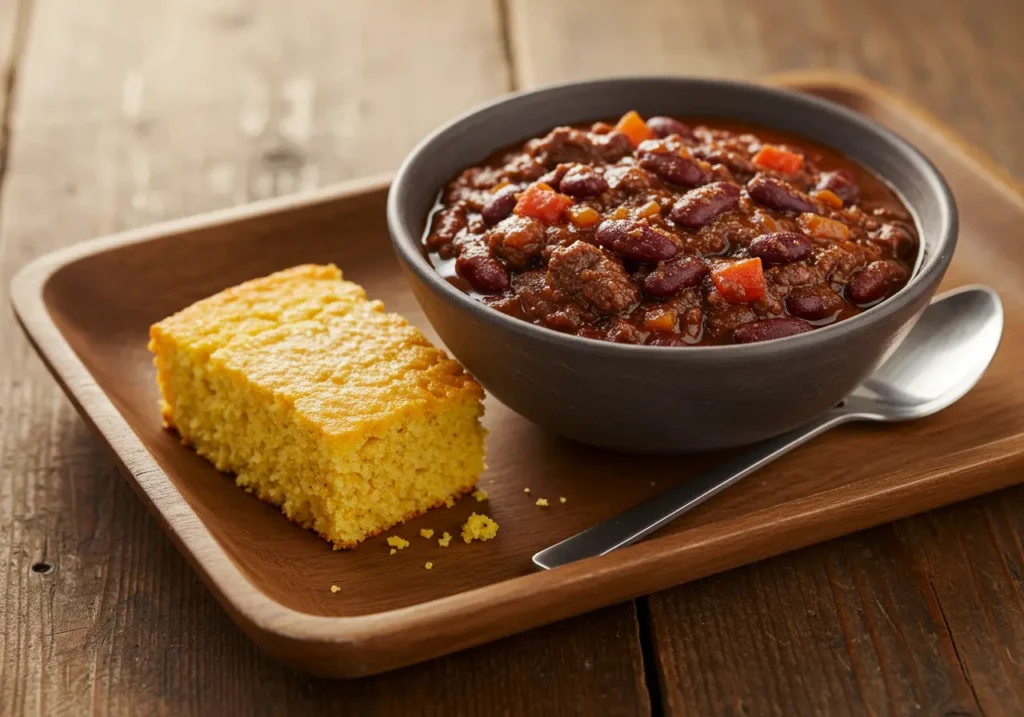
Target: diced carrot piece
541 202
583 216
779 160
660 320
648 210
740 281
823 227
633 126
620 213
828 197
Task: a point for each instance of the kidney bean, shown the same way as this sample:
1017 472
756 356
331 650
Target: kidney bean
813 303
768 329
776 194
670 166
582 181
700 206
874 281
635 240
664 126
483 271
841 183
780 247
670 277
500 205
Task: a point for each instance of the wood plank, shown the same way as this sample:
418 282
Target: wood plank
845 628
14 16
128 113
917 617
961 62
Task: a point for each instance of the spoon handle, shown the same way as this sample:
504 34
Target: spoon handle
652 514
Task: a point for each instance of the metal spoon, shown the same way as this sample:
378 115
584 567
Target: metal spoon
940 360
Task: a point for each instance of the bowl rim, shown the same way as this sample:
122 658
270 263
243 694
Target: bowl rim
934 256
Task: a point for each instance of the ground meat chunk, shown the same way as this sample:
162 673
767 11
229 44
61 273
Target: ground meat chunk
613 146
629 180
722 317
563 145
585 272
540 302
524 168
797 274
840 262
517 241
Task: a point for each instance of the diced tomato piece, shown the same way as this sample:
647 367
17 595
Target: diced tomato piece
823 227
779 160
633 126
583 216
660 320
740 281
648 210
541 202
828 197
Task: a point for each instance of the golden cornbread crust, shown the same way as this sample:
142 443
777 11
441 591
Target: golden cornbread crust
320 402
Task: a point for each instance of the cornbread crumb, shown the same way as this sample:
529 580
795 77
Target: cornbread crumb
335 588
445 539
395 542
428 566
480 494
449 501
562 499
526 490
479 527
542 502
427 533
393 551
320 403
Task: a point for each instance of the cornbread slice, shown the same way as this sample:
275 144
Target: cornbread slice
319 402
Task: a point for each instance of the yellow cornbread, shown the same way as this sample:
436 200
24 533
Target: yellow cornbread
344 416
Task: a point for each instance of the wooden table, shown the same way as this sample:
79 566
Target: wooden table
119 113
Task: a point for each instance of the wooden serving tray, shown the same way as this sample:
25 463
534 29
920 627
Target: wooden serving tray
87 310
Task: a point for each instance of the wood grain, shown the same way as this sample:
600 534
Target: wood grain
127 113
845 657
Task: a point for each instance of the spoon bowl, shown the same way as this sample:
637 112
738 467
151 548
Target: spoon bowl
940 360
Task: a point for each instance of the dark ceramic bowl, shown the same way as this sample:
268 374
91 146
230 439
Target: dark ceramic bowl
656 399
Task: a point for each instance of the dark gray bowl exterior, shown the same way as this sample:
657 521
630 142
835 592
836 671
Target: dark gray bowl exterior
652 399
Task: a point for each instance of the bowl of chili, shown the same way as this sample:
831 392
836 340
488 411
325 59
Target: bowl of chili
670 264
